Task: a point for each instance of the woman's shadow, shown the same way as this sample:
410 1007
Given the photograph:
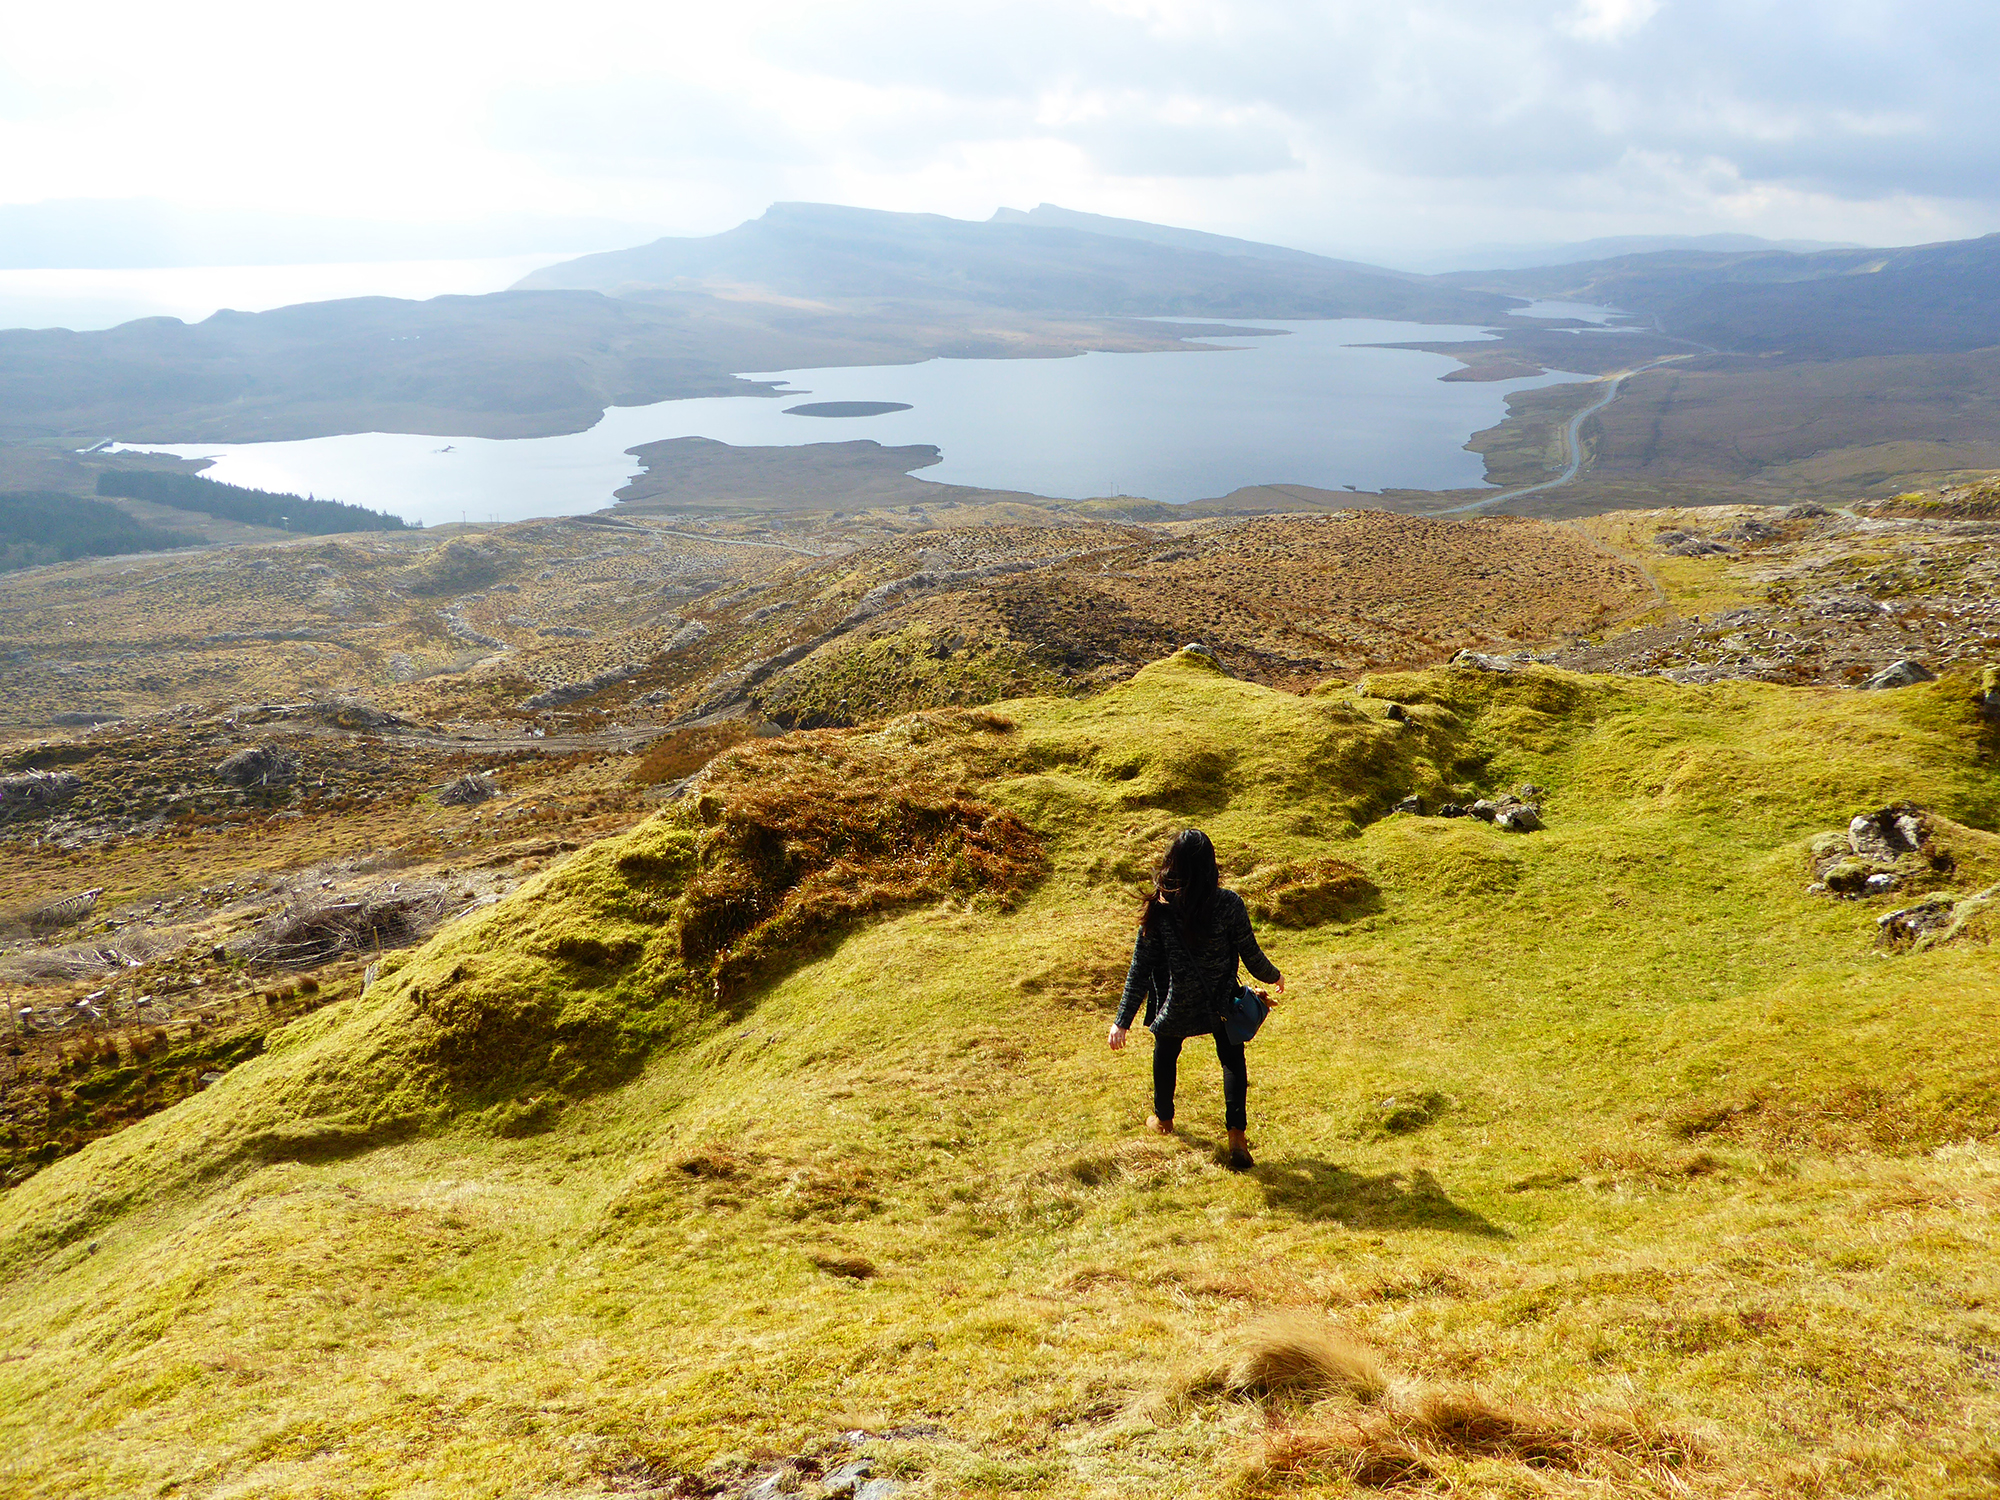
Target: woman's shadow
1313 1188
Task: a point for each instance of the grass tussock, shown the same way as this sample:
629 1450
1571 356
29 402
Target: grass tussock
1382 1432
1421 1436
1309 893
1298 1354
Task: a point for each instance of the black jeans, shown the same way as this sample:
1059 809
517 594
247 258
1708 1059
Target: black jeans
1235 1078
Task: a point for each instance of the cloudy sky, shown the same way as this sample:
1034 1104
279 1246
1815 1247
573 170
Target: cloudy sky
1385 130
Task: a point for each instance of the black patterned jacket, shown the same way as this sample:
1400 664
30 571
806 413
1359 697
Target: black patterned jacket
1181 990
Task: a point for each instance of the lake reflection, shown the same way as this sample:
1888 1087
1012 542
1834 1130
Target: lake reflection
1306 403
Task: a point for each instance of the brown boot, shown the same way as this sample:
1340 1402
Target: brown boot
1239 1158
1158 1126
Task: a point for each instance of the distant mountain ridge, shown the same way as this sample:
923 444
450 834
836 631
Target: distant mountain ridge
1049 216
1831 304
1044 262
1523 257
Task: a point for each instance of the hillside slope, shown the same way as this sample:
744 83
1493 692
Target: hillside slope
1828 304
788 1115
1029 264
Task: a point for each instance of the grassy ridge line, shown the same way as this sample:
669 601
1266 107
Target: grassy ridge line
479 1314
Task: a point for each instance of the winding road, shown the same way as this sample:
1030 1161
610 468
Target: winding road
1572 438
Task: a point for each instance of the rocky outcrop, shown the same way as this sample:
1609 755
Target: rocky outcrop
1904 673
1508 811
356 714
1912 923
1943 919
1881 851
1691 544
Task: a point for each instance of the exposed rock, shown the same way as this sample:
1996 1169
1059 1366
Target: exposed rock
1913 922
1479 661
1849 606
1751 531
1905 673
1411 805
1879 852
1807 512
690 634
1395 713
1690 544
1507 812
258 765
1885 834
1196 649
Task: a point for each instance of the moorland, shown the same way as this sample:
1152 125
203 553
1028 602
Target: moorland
615 1005
448 973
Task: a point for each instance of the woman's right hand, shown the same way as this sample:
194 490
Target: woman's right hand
1117 1038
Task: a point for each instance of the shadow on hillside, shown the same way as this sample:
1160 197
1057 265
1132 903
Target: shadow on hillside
1315 1189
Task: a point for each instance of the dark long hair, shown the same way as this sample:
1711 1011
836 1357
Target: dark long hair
1185 885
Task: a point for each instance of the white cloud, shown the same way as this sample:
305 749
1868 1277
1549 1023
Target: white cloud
1345 125
1608 20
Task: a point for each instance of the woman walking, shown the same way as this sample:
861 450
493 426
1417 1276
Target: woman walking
1191 935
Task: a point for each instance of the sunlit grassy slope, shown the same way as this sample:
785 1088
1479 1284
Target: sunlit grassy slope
1612 1122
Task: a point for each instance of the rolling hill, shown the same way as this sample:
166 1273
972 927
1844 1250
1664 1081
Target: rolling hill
775 1142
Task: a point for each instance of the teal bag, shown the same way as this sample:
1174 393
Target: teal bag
1242 1013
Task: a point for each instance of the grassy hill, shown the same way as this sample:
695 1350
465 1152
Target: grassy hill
1619 1163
